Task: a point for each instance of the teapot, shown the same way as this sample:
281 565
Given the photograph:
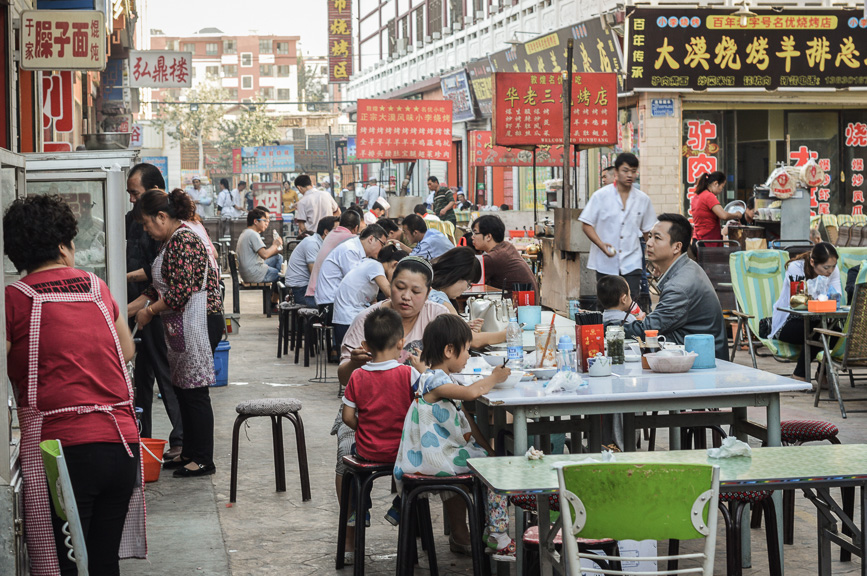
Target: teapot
599 365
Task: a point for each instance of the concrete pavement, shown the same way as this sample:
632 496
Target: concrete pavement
192 529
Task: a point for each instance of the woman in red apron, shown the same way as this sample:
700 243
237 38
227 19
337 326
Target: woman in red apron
67 348
185 293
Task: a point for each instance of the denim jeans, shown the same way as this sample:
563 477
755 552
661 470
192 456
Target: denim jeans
274 264
300 298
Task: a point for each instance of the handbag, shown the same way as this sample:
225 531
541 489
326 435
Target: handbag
495 313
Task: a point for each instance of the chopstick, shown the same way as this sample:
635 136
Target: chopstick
547 341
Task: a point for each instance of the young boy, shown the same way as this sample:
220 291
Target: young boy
379 394
613 295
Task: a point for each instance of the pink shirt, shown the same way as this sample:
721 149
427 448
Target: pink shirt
334 239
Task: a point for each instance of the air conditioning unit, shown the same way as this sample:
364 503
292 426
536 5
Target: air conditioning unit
428 39
436 35
480 14
400 45
458 26
410 48
494 8
468 20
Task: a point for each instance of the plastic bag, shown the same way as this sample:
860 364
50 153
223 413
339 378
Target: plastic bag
730 448
565 381
818 286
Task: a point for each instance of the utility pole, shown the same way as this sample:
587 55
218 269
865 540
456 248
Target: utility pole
567 121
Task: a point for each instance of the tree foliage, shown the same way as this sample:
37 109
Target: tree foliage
310 86
190 119
253 127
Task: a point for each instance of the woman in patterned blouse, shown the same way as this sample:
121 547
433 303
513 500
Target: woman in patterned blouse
185 293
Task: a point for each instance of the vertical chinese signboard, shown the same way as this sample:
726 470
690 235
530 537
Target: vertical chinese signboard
704 48
160 69
480 79
702 134
854 153
62 40
58 101
339 41
404 129
528 109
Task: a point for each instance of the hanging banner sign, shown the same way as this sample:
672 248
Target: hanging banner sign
339 41
456 88
483 152
480 79
257 159
63 40
704 48
528 109
404 129
160 69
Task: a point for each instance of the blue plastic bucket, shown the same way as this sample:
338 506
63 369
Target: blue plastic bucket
221 363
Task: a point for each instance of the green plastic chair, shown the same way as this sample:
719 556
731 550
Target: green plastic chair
757 278
849 258
639 502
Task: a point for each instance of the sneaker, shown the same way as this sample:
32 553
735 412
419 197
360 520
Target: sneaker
393 516
351 521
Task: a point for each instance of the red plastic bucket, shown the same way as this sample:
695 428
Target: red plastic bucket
152 454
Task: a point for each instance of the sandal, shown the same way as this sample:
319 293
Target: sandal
506 554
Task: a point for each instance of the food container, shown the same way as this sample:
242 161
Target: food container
550 353
670 363
822 305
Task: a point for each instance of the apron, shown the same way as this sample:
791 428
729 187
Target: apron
37 513
189 349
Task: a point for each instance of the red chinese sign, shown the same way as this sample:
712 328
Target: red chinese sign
700 153
58 101
856 141
339 41
404 129
483 152
820 196
528 109
63 40
160 69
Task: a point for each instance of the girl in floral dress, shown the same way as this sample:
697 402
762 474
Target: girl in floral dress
438 438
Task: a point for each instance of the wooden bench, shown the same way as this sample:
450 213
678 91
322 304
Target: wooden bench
238 285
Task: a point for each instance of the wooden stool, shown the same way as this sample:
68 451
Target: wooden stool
276 409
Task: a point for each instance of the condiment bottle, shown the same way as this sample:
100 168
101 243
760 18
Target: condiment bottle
651 346
615 340
565 354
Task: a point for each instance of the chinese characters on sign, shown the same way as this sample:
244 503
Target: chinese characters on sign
256 159
855 151
483 152
58 101
160 69
339 40
480 79
820 196
705 48
269 195
701 149
528 109
404 129
63 40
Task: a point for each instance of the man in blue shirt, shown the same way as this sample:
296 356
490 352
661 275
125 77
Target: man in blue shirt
430 244
302 259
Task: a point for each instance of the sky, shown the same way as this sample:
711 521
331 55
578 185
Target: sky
304 18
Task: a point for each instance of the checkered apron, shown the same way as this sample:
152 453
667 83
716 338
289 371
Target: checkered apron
37 513
191 362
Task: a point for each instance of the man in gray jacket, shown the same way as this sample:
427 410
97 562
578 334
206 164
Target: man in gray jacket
688 303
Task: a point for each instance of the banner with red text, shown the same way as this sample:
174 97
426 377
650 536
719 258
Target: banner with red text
528 109
62 40
404 129
339 40
483 152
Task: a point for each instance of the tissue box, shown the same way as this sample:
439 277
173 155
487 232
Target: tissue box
821 305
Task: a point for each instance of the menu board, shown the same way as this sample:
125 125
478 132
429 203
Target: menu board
404 129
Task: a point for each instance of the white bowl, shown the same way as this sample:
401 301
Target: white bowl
511 381
632 358
543 373
671 364
495 358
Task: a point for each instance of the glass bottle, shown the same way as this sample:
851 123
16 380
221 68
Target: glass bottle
615 340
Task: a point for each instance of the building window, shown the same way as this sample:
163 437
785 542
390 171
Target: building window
267 93
230 47
212 71
419 25
171 44
266 69
284 71
230 71
232 94
246 59
282 48
247 82
189 47
265 46
284 94
212 48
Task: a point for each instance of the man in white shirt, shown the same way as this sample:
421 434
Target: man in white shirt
342 259
614 220
201 197
229 204
302 259
377 211
421 210
314 205
371 193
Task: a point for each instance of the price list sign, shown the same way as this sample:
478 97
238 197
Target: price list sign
256 159
404 130
483 152
528 109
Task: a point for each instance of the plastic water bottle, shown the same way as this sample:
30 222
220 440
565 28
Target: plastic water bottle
515 345
565 354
